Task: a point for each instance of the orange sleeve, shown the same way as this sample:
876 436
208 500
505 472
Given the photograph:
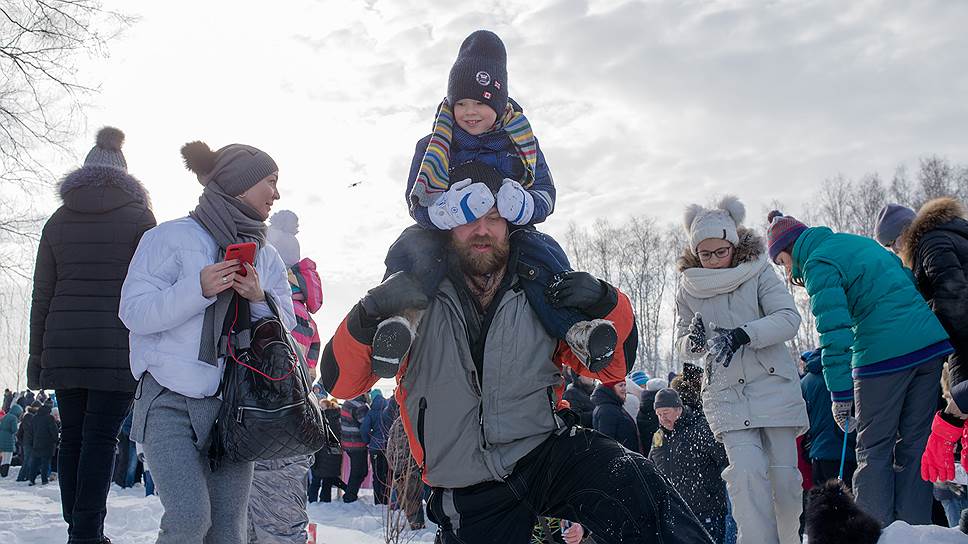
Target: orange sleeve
345 367
624 320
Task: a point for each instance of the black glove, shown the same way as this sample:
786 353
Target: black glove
575 290
697 334
397 293
727 343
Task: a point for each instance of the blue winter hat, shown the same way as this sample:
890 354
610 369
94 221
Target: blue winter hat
639 377
891 222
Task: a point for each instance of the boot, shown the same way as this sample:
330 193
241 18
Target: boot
593 342
391 343
4 470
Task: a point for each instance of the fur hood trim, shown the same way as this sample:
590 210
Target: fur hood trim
932 215
749 249
102 176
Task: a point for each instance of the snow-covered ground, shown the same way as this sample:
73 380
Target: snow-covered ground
32 515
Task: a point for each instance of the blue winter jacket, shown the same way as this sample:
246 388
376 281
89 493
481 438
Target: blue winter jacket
374 434
8 428
494 149
826 439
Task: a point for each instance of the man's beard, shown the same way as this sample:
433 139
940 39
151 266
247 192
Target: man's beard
475 263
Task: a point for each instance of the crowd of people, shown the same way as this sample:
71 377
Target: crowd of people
515 400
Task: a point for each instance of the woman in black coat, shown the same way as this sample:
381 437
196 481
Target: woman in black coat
610 417
78 345
327 466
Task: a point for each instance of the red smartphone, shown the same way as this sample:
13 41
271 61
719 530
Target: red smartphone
245 253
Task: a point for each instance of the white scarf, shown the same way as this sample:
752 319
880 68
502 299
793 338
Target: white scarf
709 282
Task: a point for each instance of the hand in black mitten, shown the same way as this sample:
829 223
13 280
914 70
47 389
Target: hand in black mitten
727 343
575 290
397 293
697 334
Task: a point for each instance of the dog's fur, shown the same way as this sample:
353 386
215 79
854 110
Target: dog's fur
832 517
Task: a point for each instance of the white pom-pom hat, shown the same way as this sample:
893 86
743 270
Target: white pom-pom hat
718 223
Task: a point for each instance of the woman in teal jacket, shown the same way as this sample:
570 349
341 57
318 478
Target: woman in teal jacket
8 437
882 354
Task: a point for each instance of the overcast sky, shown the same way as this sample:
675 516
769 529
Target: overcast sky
640 107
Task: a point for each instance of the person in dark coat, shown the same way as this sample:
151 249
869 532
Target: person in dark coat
78 345
25 437
933 243
375 437
646 420
579 396
826 438
685 450
325 472
610 417
7 400
689 386
43 442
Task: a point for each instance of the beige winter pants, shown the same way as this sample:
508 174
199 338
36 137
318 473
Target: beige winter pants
764 484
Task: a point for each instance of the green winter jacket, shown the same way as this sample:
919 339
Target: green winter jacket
8 428
866 305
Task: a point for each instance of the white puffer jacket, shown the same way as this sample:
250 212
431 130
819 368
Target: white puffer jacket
163 307
761 387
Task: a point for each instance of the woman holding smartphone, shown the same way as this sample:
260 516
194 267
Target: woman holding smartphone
177 302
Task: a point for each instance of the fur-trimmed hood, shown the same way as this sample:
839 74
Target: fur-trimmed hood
749 249
932 215
97 189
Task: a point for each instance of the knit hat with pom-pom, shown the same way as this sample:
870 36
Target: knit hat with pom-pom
235 168
719 223
107 150
782 232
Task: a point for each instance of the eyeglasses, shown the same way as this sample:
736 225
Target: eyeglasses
720 253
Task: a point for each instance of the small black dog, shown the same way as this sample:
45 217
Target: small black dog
832 517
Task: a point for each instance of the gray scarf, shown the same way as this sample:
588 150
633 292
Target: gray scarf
229 221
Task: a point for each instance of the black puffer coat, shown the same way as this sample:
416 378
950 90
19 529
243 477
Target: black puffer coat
76 337
694 461
646 420
935 248
579 397
325 464
44 434
611 419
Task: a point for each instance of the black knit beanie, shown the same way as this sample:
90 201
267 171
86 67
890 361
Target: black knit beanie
480 72
478 171
667 398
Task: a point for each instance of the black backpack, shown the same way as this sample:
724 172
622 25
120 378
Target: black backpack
268 408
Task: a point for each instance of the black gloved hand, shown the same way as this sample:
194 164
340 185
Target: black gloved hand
397 293
727 343
697 334
575 290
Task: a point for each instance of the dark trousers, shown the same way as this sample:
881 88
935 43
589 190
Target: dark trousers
39 466
894 413
90 421
825 470
539 259
321 489
25 465
358 471
381 477
578 475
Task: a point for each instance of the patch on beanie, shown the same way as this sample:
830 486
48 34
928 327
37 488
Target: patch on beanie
483 78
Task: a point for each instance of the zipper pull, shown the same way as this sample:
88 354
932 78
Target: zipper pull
238 415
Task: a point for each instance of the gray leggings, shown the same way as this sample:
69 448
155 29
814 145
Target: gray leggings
201 506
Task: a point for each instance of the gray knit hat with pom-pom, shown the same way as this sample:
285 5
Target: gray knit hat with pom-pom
107 150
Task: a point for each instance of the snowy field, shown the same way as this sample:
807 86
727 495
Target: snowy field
32 515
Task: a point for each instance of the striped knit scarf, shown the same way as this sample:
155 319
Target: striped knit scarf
434 175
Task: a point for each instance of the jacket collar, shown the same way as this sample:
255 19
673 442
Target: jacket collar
931 216
806 244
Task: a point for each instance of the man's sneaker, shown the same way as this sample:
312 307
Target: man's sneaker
593 342
391 343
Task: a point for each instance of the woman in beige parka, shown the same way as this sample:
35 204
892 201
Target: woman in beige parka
735 315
